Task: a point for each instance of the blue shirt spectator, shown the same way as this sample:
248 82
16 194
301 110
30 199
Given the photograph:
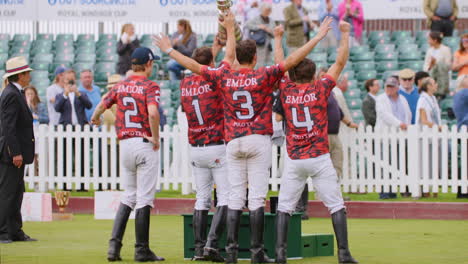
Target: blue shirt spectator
409 90
460 107
92 91
330 8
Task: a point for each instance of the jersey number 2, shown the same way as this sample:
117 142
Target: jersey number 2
247 105
308 123
129 113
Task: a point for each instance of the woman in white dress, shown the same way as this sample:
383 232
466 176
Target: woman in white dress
438 62
428 114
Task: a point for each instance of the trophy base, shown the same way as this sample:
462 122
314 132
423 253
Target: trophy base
62 216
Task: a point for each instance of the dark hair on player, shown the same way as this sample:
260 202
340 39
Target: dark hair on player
303 72
203 55
369 83
245 51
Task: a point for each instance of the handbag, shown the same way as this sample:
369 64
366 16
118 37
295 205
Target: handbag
259 36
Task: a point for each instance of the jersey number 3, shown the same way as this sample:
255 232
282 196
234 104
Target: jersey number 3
308 123
247 105
129 113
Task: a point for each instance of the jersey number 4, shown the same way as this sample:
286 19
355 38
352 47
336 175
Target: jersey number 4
308 123
127 101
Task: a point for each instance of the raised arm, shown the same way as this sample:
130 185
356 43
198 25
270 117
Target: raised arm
343 52
298 55
279 53
228 22
164 43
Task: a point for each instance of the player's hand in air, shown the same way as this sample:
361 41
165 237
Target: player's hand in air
278 31
154 141
324 27
345 27
162 41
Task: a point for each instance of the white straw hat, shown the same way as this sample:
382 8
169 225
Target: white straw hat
16 65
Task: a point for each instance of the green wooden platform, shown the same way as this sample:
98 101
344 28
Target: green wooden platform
298 246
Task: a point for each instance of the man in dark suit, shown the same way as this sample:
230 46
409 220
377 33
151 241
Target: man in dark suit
72 114
368 104
16 149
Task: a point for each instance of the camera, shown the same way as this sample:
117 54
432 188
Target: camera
71 82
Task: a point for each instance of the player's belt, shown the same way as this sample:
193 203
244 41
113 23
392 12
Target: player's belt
217 143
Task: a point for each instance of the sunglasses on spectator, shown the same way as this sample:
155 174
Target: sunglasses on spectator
407 79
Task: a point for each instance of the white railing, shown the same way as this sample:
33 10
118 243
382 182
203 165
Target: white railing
374 161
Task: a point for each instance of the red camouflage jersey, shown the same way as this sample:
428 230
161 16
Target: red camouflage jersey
247 98
203 107
305 112
132 96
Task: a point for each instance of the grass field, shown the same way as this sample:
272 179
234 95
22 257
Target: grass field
443 197
84 240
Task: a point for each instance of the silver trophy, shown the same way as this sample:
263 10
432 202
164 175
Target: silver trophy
223 8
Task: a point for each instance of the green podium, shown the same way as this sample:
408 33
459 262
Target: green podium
298 246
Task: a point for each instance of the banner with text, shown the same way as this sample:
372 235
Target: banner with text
194 10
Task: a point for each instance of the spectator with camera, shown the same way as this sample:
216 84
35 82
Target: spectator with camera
71 104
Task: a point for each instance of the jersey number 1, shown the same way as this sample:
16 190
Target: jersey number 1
308 123
196 105
129 113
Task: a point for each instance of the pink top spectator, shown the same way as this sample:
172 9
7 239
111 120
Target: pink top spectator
357 20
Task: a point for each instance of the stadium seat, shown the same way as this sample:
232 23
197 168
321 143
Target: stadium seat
44 57
21 44
64 37
146 38
375 42
404 41
318 57
352 84
353 93
108 58
100 77
3 57
373 35
90 44
85 50
39 75
408 48
80 66
357 116
384 66
18 50
386 56
85 37
331 57
54 65
106 67
2 72
43 43
106 37
384 48
21 38
85 57
209 38
59 44
364 66
67 57
4 49
348 66
411 55
4 36
451 41
414 65
424 47
422 35
25 55
40 82
319 50
366 75
354 103
40 66
39 50
48 37
364 56
387 74
358 50
397 35
350 74
106 44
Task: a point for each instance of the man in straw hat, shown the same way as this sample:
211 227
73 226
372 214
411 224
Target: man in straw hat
16 148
